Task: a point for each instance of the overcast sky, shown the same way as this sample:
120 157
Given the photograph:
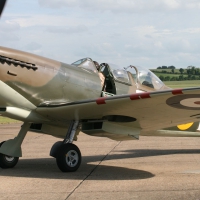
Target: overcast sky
147 33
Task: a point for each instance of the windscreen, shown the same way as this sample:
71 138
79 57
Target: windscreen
86 63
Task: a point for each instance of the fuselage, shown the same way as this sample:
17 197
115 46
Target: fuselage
42 80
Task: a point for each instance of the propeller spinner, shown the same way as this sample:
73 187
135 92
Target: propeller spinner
2 5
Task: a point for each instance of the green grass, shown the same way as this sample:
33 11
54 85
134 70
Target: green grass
6 120
182 84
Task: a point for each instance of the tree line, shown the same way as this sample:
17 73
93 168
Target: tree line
165 67
190 73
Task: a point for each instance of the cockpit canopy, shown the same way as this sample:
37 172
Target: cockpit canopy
142 76
145 77
119 73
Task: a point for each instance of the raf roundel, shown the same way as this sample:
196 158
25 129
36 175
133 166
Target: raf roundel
185 101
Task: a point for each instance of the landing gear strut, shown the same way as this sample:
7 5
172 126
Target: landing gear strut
68 155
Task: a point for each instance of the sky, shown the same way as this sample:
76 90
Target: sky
148 33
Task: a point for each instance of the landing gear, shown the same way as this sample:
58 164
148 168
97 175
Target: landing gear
10 150
8 161
69 158
68 155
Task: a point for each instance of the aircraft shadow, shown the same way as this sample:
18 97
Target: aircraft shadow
136 153
47 168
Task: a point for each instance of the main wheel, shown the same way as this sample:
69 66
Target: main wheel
68 158
8 161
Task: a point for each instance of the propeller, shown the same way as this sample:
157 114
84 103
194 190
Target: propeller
2 5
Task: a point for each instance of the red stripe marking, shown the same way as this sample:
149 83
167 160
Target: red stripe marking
178 91
145 95
197 102
134 96
101 100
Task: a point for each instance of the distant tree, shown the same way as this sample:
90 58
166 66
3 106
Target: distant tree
181 78
159 67
164 67
161 78
181 70
196 71
172 70
193 70
167 78
193 78
171 67
188 71
173 78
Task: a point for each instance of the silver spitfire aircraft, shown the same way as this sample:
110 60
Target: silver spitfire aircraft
103 100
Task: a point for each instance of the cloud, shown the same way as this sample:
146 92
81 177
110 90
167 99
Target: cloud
9 31
131 6
148 33
9 26
33 46
67 30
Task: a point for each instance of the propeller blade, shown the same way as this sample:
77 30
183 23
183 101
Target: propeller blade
2 5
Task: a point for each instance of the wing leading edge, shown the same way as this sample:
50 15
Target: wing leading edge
153 111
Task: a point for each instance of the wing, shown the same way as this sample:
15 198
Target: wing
152 111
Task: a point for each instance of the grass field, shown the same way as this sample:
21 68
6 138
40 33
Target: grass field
182 84
6 120
172 75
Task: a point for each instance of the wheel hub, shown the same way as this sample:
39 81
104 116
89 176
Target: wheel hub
72 158
9 158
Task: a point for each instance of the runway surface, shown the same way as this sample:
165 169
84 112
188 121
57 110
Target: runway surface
151 168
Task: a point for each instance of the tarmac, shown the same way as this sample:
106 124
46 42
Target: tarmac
151 168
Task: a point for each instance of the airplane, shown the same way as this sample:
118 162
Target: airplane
106 100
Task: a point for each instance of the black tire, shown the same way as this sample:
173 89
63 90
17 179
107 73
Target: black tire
8 161
68 158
